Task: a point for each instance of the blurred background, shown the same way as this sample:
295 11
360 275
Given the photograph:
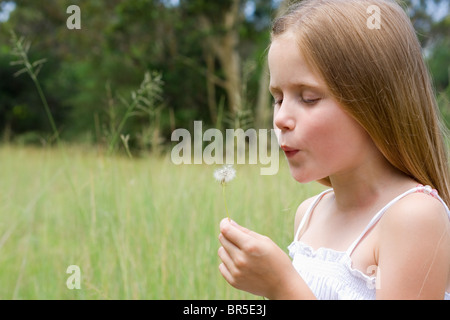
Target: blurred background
205 60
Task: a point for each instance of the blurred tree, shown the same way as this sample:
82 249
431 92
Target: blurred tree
211 55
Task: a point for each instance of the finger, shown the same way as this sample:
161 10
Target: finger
236 234
251 233
226 273
228 246
245 230
226 259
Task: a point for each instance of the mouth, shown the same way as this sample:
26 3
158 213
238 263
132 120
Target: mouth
288 151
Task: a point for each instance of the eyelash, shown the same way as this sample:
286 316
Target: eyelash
308 102
277 102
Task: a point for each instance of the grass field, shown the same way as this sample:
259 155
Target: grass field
137 228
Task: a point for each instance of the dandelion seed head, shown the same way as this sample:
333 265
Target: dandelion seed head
225 174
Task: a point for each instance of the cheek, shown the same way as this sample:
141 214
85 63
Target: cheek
334 137
321 133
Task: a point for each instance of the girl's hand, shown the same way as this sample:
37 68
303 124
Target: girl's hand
254 263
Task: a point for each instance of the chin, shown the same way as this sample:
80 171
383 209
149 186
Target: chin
300 175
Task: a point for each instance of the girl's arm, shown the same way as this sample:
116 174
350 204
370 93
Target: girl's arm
254 263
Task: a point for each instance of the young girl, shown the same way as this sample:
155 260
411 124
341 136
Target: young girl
355 111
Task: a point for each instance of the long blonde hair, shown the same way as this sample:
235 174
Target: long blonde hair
379 77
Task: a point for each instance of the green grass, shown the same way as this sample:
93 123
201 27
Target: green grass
137 228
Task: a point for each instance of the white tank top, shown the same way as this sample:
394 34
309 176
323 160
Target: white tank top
329 273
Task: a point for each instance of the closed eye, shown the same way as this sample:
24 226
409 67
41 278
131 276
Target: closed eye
310 101
277 102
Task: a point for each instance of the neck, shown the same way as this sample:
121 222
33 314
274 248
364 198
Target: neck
371 183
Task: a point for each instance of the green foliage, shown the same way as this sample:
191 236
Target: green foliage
439 64
144 105
20 51
443 100
89 73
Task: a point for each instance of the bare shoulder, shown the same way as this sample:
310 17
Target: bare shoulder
414 237
301 210
417 212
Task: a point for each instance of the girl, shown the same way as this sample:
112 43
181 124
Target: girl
355 111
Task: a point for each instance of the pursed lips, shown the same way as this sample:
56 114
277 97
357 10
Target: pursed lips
288 151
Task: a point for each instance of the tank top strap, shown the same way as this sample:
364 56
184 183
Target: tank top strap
377 217
309 211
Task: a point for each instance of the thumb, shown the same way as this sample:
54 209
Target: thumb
245 230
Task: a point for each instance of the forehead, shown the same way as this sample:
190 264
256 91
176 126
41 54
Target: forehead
287 65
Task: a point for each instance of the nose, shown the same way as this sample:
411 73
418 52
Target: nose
282 118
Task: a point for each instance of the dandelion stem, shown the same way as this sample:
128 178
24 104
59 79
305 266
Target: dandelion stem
225 201
225 175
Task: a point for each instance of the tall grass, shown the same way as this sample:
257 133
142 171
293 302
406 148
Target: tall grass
137 228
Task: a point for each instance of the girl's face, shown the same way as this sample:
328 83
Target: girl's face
318 137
